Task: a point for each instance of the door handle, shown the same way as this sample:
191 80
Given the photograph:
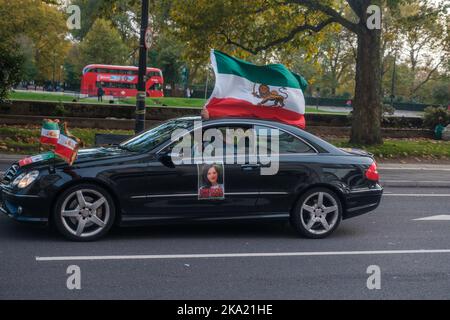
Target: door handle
250 167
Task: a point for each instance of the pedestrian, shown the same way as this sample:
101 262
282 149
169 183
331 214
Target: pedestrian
188 93
100 93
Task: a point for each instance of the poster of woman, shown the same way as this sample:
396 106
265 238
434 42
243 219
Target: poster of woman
211 181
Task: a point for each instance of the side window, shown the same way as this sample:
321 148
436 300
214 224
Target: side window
287 143
232 138
237 139
291 144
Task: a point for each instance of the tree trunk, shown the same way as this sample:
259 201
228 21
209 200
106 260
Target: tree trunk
333 91
366 122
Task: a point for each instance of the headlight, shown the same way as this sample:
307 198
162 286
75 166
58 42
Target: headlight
25 179
17 180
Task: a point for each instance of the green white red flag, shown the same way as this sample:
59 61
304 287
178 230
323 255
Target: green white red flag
243 89
67 146
37 158
49 132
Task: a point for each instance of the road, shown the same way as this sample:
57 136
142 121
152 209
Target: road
346 110
245 260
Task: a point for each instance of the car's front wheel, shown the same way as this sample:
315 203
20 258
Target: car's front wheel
317 214
84 212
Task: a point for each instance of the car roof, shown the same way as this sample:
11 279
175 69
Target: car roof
317 142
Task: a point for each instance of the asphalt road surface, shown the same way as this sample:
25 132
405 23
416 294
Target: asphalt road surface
238 260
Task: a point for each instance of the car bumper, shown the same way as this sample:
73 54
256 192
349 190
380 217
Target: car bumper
362 201
24 208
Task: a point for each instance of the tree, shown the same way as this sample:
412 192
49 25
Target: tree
90 11
37 30
11 67
73 68
441 93
104 45
256 26
335 58
426 41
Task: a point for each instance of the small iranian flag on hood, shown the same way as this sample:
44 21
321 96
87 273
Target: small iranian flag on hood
50 132
38 158
67 146
243 89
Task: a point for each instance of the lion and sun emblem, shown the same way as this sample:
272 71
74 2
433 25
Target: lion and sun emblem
276 97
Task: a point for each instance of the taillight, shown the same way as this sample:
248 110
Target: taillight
372 173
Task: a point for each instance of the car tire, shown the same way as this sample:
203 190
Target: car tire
317 213
84 212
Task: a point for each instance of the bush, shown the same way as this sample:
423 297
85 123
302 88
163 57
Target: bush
436 115
346 95
60 110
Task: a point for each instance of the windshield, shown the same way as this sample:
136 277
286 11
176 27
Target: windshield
152 138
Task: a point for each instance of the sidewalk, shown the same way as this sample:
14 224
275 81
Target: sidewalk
392 174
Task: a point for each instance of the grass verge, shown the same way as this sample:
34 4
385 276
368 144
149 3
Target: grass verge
155 102
427 149
25 140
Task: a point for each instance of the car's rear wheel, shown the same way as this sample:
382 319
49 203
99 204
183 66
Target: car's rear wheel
317 214
84 212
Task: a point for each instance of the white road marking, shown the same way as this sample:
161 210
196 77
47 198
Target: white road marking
239 255
415 181
416 195
414 168
442 217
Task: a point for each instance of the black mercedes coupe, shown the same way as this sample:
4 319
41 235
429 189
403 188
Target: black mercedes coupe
144 180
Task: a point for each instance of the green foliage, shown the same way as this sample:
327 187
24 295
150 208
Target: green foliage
90 10
231 25
104 45
10 71
167 56
441 93
60 110
434 116
36 30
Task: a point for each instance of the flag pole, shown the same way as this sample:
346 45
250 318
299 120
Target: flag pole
206 85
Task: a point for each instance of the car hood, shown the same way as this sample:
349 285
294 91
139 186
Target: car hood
100 154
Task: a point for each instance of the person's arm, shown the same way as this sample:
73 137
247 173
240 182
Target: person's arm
205 114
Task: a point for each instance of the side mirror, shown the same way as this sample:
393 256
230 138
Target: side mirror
177 157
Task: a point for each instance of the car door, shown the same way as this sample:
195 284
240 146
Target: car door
295 161
172 190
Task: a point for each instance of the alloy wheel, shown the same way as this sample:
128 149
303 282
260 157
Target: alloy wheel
319 213
85 213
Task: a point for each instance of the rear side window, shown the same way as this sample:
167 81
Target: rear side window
287 142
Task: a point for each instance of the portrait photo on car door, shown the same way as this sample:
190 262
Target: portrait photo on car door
211 181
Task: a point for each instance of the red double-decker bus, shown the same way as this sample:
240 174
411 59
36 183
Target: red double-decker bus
120 81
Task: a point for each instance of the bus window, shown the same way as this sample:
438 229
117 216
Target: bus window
153 74
156 86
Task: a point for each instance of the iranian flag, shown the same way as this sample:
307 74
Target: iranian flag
49 132
67 146
38 158
243 89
